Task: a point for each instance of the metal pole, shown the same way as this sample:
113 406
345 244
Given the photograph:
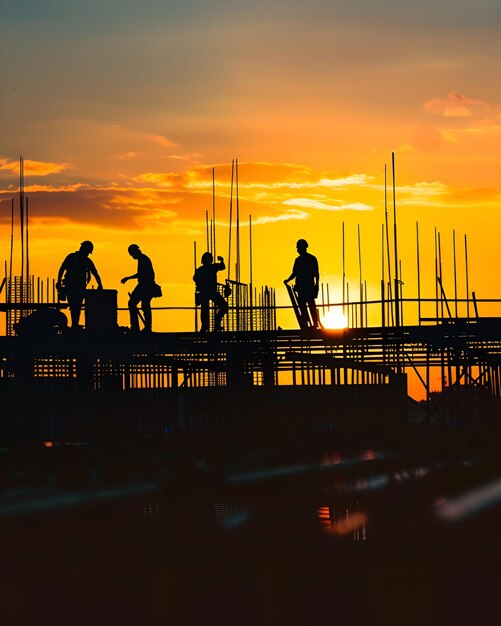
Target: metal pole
360 278
397 285
21 220
440 276
11 250
467 277
238 223
214 209
418 274
387 243
194 270
207 230
343 266
436 275
27 252
455 273
231 218
250 274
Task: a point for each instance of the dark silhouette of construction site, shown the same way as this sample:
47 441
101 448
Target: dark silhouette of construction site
250 374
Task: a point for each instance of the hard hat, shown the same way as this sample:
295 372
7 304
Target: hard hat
87 245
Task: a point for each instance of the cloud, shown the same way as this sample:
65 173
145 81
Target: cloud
292 214
33 168
454 105
106 208
186 157
308 203
356 206
348 181
56 188
157 179
163 141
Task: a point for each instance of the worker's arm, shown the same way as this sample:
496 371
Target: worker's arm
94 273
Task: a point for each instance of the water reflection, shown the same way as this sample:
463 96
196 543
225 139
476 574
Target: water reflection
344 521
230 514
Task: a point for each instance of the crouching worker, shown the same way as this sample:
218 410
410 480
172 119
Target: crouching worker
205 278
144 291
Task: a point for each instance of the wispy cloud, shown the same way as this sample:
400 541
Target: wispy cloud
308 203
292 214
454 105
163 141
33 168
186 157
347 181
56 188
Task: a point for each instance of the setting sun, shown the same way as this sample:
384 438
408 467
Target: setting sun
335 318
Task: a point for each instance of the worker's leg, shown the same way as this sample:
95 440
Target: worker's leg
134 299
146 308
221 310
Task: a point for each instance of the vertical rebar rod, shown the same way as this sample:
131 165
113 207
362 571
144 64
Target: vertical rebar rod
11 250
237 224
207 230
382 252
383 320
231 218
27 249
21 222
418 274
436 275
395 245
455 273
388 254
348 303
440 276
343 266
360 283
250 274
194 270
214 211
467 277
400 274
366 309
250 251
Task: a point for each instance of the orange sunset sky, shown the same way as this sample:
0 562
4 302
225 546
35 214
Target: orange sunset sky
122 108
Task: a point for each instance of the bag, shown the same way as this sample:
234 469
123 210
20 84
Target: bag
156 291
227 291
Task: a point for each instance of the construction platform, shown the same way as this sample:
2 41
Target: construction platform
78 383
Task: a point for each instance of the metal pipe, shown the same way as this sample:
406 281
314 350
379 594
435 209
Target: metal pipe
467 277
418 274
395 244
455 273
231 218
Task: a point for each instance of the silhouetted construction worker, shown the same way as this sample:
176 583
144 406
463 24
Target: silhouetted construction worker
144 291
307 276
205 278
73 278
